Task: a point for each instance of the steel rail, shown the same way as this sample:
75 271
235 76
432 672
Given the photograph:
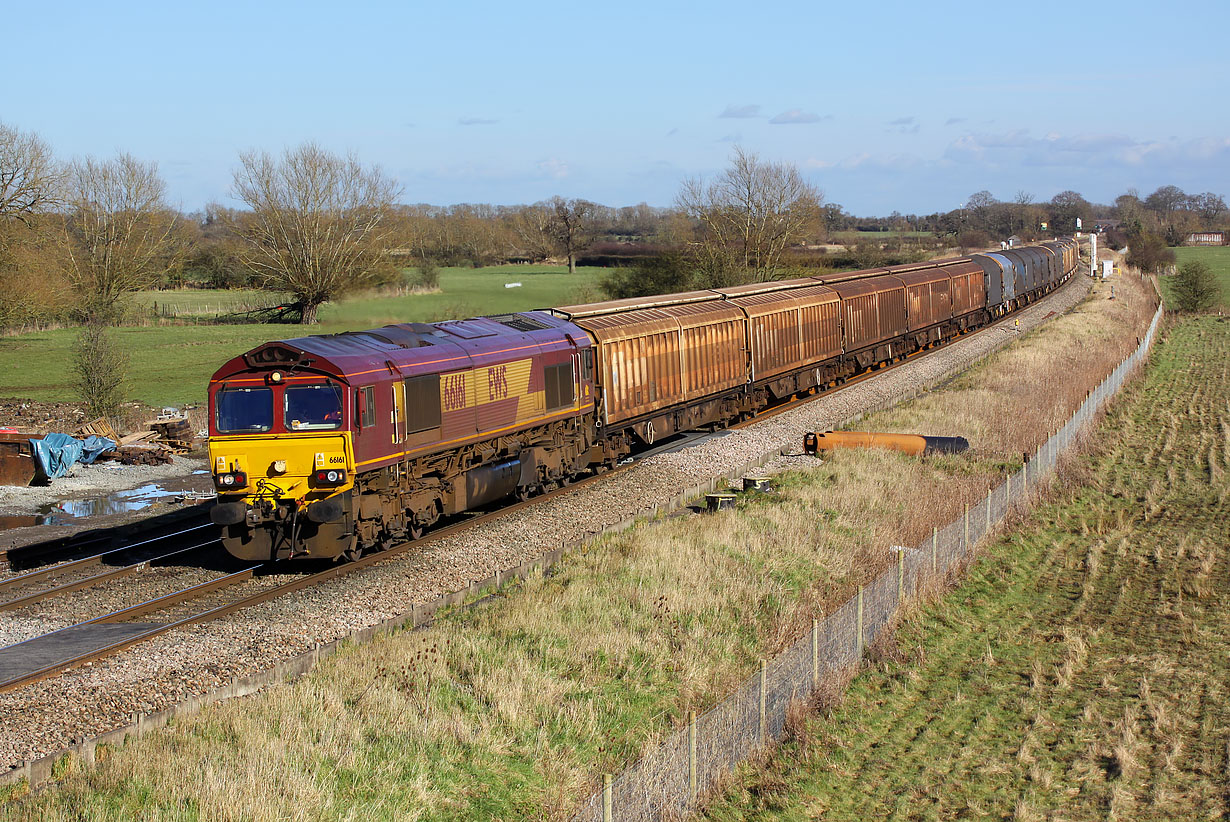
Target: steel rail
85 582
93 559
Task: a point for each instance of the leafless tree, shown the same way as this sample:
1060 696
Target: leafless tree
29 176
1166 200
531 225
1209 206
979 206
569 224
317 225
752 212
120 232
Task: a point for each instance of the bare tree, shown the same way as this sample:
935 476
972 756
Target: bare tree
569 224
979 205
531 227
120 232
317 222
29 176
752 212
1209 206
1166 200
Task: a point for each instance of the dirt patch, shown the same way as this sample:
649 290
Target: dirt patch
41 417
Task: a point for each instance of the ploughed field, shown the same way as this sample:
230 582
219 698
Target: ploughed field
1083 669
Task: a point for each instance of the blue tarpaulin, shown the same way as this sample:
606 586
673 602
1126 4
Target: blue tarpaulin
55 454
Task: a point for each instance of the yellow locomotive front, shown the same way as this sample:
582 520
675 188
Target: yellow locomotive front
282 459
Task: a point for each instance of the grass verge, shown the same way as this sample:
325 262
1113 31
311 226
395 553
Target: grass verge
510 710
1082 670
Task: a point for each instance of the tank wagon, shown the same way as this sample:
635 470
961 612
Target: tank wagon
332 445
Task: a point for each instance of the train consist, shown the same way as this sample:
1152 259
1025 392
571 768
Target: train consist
329 446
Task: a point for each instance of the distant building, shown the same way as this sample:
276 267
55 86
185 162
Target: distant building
1206 238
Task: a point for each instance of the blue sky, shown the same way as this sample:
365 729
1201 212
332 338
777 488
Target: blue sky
885 106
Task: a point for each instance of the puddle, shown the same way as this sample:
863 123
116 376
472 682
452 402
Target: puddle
117 502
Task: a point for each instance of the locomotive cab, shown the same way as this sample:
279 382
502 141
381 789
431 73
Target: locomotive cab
282 459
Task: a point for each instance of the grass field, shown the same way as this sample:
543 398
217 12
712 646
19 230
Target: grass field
511 710
171 364
1083 669
1216 258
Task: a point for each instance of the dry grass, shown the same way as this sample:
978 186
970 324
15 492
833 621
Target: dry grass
513 709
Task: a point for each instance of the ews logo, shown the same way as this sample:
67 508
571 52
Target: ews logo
453 391
497 382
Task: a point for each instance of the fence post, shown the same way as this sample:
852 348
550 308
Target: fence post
900 577
692 757
859 622
987 530
764 677
815 654
607 813
935 551
966 519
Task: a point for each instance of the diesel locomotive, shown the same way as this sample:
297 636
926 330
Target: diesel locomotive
332 445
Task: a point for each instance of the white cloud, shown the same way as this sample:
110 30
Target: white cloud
741 112
554 168
796 116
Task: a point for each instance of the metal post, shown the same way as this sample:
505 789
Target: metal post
691 757
815 654
900 577
764 675
607 815
860 622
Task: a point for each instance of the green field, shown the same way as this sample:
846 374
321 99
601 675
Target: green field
1082 671
1216 258
171 364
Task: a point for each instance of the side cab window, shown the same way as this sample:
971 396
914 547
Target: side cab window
365 406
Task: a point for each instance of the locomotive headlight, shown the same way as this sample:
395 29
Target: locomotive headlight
231 480
279 466
330 477
275 377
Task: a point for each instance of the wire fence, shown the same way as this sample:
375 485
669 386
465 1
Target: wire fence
670 779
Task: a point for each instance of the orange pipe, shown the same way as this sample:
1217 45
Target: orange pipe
911 444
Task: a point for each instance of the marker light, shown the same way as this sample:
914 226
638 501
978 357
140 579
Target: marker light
330 476
231 479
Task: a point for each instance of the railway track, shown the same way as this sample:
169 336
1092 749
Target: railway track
59 651
74 575
87 543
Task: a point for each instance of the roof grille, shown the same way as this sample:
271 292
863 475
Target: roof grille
520 322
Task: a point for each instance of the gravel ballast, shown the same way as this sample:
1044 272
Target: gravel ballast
46 716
